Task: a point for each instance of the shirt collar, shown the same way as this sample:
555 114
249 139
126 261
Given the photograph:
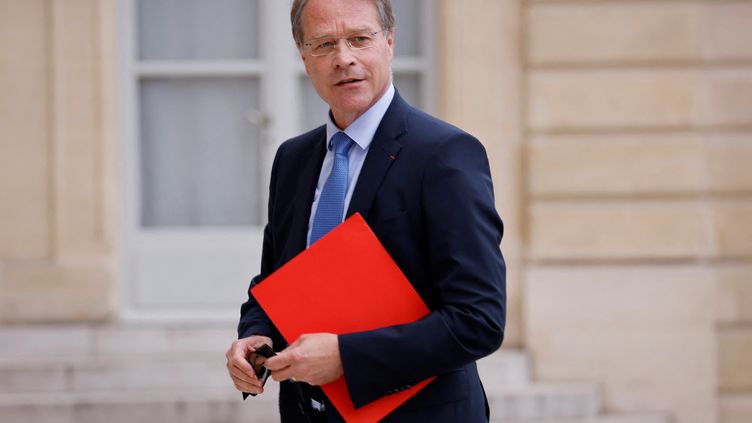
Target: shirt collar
364 127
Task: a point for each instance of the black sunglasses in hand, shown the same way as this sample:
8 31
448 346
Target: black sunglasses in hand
261 371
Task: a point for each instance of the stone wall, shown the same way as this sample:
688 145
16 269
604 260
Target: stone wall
638 138
57 167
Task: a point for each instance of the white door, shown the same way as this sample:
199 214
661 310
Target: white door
209 89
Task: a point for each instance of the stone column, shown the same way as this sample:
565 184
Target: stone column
57 251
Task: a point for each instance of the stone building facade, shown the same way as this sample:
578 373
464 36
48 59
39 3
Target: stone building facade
620 138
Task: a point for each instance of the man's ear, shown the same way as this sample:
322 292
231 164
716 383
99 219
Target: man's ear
390 40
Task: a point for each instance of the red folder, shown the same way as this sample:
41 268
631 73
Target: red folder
346 282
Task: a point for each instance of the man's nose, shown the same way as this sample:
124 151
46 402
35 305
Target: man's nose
343 55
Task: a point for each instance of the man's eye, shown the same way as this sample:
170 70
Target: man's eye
326 45
360 40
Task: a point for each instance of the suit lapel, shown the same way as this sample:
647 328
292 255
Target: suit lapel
382 153
305 190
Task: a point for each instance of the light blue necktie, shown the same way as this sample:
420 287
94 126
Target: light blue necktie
332 200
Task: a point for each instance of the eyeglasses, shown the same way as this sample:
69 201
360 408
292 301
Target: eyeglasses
327 45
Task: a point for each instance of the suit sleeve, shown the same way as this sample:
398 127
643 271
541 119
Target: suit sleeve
463 233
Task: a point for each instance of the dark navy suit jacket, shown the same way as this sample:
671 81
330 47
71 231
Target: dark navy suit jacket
425 190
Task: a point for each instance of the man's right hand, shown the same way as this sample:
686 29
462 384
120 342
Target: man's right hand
241 370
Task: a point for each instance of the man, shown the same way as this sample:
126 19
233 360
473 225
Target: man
424 188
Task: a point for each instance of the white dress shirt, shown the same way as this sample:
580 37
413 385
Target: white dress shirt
361 131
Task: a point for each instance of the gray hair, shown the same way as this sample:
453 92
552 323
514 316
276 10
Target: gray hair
384 8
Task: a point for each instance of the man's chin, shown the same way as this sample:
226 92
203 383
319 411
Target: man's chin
352 106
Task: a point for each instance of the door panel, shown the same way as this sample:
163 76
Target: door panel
197 29
194 271
199 154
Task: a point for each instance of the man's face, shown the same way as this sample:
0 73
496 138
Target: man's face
349 80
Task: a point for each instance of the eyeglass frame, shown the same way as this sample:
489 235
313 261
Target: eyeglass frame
309 43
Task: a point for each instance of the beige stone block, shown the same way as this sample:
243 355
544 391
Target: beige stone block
566 32
619 230
491 112
594 32
735 358
24 115
511 247
58 293
644 332
733 228
597 164
605 291
613 99
728 30
727 97
79 139
110 165
734 299
736 408
513 333
728 157
580 99
618 164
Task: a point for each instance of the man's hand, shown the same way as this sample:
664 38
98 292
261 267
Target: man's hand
313 358
241 370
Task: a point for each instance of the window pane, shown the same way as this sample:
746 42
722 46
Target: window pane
314 109
197 29
199 153
407 34
409 88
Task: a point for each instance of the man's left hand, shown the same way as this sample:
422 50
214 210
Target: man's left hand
312 358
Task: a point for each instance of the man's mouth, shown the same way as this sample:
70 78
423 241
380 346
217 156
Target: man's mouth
348 81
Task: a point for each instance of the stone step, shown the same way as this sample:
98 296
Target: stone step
76 372
505 368
545 401
617 418
183 406
83 358
223 404
188 370
77 341
113 374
